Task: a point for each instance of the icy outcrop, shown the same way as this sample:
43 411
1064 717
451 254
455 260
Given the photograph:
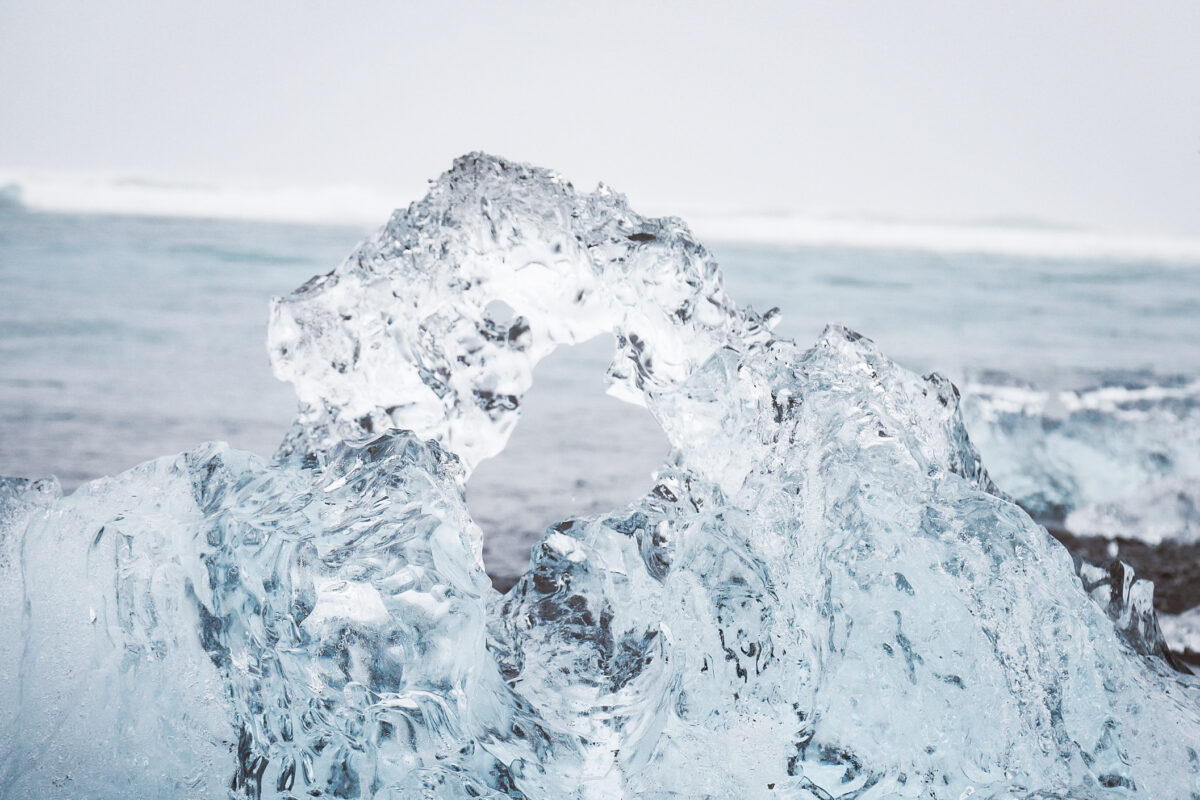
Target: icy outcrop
821 595
1129 602
1121 459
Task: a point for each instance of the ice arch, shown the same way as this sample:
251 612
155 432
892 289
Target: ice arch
575 452
400 335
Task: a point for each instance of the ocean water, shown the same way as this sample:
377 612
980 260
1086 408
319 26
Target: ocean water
123 338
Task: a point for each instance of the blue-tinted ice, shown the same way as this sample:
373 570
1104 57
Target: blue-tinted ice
821 595
1118 459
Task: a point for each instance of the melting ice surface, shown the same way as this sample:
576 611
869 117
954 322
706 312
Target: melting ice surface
822 594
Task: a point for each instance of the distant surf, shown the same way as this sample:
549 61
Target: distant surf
366 207
100 193
1027 240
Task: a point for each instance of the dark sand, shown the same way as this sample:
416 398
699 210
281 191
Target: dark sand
1174 568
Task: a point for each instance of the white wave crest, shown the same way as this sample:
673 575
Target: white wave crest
100 193
1008 240
365 206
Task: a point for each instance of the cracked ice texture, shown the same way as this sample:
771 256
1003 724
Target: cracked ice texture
822 594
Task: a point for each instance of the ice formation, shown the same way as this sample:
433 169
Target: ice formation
1119 459
1129 602
822 595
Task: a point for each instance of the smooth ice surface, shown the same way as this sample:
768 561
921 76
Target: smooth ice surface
820 594
1120 459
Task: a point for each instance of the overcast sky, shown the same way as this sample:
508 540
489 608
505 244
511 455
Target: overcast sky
1084 113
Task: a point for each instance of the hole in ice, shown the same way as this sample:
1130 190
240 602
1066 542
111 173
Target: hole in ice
575 451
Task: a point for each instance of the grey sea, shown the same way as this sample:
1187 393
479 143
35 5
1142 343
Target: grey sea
127 338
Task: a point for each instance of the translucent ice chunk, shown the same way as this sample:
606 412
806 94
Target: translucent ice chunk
1129 601
1120 459
853 613
435 323
114 692
821 594
213 620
